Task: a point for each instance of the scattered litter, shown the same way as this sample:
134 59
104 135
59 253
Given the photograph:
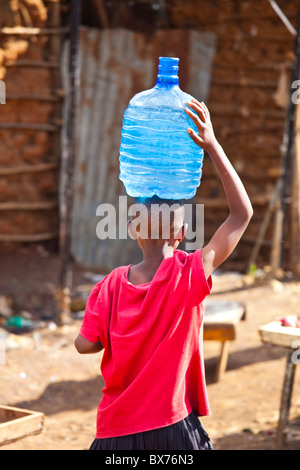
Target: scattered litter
18 342
52 326
276 285
78 304
249 430
83 290
3 334
268 432
41 250
290 320
18 322
78 315
80 297
94 277
5 306
26 315
98 277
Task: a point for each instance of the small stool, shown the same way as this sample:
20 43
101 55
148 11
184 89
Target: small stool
289 338
220 321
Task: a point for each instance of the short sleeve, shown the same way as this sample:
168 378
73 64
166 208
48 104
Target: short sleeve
92 324
199 282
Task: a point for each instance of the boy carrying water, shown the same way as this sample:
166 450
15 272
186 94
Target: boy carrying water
149 320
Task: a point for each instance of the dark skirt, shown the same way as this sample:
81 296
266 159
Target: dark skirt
187 434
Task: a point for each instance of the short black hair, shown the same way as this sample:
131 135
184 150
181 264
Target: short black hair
147 201
157 201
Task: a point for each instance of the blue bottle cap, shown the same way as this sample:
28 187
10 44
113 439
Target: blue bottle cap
169 65
168 71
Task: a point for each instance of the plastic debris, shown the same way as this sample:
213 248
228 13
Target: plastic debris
290 320
18 322
5 306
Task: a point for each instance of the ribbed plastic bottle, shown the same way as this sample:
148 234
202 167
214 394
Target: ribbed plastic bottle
157 156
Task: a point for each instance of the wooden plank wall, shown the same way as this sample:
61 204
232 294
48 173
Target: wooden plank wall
30 123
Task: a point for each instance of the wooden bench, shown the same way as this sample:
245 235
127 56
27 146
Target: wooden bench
220 324
289 338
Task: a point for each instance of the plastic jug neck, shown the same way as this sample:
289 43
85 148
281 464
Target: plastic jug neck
168 71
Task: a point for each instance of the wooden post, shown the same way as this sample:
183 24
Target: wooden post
285 404
101 12
222 364
286 196
263 228
68 163
54 53
277 238
295 210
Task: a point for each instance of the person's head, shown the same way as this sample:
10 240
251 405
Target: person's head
156 221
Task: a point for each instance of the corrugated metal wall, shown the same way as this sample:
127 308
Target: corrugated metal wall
116 64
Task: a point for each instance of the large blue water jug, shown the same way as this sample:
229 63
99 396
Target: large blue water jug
157 156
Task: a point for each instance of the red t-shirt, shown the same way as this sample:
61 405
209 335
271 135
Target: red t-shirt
152 334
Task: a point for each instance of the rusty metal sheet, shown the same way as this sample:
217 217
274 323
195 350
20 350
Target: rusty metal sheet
116 64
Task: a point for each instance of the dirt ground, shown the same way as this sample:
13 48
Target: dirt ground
43 372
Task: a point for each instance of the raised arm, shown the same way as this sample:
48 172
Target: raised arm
230 232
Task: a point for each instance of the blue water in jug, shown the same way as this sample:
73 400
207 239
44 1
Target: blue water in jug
157 156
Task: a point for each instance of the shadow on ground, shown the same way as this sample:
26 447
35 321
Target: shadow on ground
264 440
67 396
238 359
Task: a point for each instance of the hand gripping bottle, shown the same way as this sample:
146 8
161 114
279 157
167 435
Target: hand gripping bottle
157 156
